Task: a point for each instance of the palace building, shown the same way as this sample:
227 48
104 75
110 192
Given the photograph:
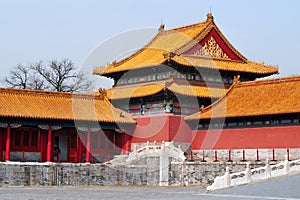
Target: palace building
60 127
188 85
176 73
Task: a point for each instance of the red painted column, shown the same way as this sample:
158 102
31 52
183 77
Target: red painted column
244 156
41 139
203 157
126 143
191 156
273 155
257 155
49 141
88 146
78 147
229 156
1 146
7 149
43 146
216 156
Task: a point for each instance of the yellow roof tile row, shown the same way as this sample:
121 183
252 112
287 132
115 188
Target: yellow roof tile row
256 98
134 91
147 89
147 58
225 65
59 106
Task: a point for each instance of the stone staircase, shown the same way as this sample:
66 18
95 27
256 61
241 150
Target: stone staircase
150 150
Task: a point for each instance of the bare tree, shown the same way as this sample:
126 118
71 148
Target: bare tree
61 76
18 77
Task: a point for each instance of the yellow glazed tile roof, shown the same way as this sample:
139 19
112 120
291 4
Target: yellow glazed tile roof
134 91
59 106
148 89
225 65
255 98
178 41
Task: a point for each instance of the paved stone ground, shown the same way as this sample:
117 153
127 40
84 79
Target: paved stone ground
277 189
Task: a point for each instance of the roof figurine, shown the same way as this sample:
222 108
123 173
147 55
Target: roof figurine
102 93
236 79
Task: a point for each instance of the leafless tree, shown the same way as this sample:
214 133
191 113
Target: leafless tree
18 77
61 76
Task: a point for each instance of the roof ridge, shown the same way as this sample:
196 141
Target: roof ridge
117 63
226 60
211 58
236 82
191 43
230 46
269 81
148 45
187 26
211 25
46 93
139 84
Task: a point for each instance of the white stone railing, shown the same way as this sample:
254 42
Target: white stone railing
166 149
255 175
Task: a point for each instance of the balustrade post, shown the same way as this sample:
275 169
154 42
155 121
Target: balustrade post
248 173
227 177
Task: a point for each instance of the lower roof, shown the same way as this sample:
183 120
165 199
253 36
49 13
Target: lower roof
255 98
19 103
177 87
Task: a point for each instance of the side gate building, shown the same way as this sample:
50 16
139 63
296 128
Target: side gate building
60 127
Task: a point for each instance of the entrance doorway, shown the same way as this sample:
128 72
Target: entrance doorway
61 148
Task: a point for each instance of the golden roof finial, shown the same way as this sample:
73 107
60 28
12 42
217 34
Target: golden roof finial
209 17
161 28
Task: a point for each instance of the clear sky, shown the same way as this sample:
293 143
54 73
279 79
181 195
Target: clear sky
33 30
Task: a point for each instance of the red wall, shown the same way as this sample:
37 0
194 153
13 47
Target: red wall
167 127
247 138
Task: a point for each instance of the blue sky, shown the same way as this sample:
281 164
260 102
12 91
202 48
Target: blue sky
33 30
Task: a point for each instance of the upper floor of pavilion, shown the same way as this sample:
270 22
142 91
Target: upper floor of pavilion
197 52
